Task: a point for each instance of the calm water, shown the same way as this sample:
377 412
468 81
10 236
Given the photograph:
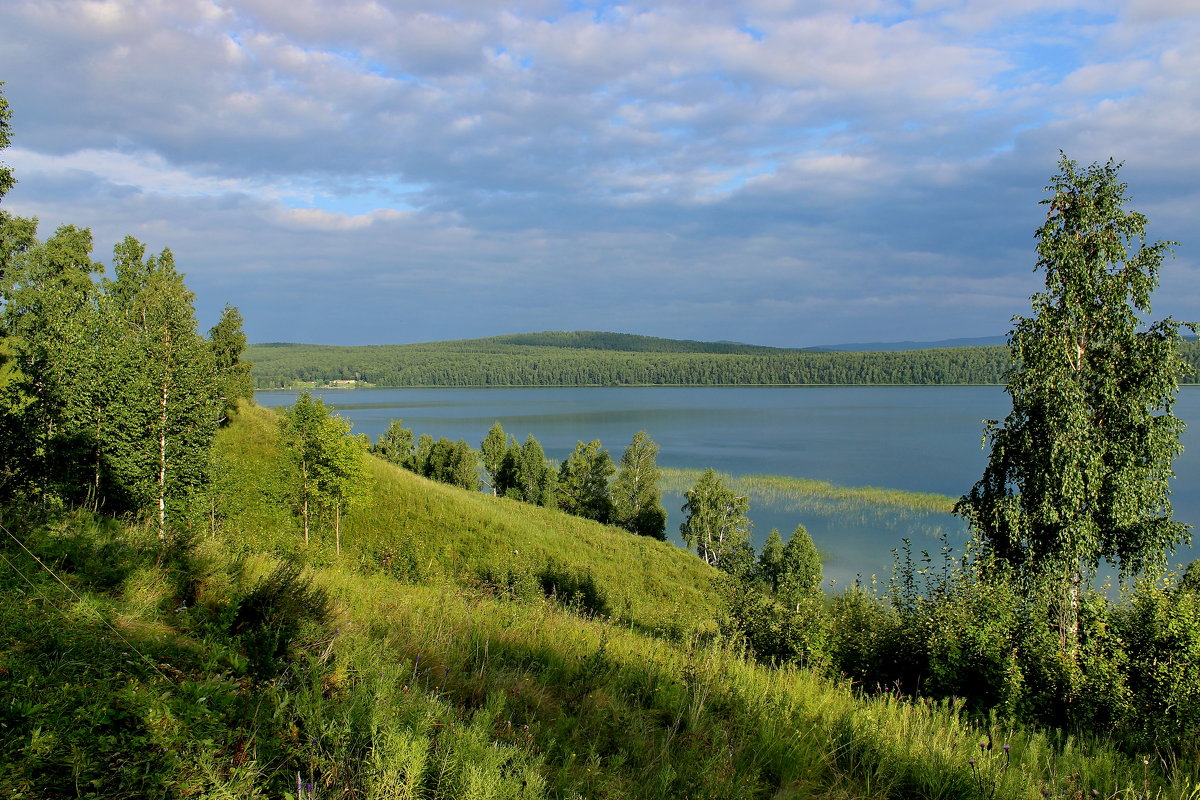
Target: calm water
924 439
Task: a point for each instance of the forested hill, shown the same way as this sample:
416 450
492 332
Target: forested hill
624 342
610 359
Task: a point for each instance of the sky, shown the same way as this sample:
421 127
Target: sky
764 171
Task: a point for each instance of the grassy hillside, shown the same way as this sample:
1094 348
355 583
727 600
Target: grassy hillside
418 530
584 358
459 646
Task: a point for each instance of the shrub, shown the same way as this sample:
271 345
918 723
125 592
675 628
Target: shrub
1160 629
873 643
773 632
273 614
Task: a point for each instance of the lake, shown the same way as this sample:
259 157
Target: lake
916 438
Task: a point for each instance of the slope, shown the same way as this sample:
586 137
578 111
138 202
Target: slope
419 530
213 665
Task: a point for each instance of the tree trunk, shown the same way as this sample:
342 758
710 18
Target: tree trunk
304 499
96 467
162 468
162 440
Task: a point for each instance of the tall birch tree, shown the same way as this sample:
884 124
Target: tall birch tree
168 405
1080 469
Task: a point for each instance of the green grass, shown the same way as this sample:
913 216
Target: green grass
418 530
440 668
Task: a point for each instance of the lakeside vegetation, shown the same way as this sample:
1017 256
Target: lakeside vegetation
802 492
584 358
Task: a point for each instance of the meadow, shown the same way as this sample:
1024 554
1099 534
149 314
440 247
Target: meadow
459 645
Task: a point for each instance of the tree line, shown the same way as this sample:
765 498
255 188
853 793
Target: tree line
109 394
587 484
434 365
551 362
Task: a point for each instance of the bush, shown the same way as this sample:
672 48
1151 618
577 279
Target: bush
875 644
273 614
574 587
773 632
973 630
1160 629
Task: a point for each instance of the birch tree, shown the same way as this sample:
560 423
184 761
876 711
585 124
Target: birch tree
1080 469
330 463
716 525
583 482
637 501
167 405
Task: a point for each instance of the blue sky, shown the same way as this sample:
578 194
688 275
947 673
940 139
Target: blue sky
767 171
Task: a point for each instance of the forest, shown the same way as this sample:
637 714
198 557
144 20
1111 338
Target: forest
200 597
599 359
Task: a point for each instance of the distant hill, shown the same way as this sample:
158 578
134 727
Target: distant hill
979 341
622 342
590 358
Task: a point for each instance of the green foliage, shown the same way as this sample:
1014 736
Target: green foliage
396 446
636 498
799 574
282 606
1190 581
1079 470
717 525
570 360
165 382
776 632
114 392
870 643
329 463
770 560
228 343
492 451
576 588
582 488
450 462
1160 632
526 475
50 314
7 181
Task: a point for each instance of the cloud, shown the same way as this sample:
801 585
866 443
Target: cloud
764 170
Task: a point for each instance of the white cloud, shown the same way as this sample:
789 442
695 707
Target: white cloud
864 153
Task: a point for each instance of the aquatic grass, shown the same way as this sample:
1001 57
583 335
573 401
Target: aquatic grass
821 496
